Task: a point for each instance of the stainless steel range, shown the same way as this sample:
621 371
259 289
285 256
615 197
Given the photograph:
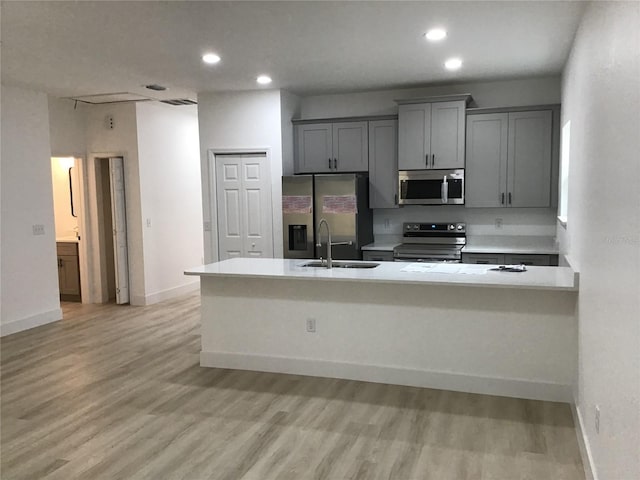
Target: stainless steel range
431 242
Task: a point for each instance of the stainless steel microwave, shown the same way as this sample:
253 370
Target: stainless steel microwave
431 187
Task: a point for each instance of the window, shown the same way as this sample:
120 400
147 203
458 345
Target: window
564 172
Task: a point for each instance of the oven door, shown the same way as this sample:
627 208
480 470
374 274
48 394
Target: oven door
431 187
432 254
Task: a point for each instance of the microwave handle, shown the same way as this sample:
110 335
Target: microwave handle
444 190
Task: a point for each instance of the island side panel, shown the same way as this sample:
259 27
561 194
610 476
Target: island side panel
507 342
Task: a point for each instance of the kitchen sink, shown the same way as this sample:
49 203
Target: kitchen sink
337 264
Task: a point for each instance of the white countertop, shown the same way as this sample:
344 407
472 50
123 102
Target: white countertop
381 246
537 278
67 240
534 245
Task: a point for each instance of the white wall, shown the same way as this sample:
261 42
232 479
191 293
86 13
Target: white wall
67 127
122 141
507 93
170 189
601 98
29 277
239 120
290 109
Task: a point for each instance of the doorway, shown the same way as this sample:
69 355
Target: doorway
67 206
111 230
241 187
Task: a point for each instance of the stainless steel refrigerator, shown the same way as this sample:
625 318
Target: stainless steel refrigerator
341 199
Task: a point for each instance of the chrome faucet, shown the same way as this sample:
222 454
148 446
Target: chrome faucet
329 242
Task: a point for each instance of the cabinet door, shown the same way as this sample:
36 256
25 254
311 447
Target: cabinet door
541 260
447 134
383 164
486 172
529 159
483 258
69 275
314 153
414 136
350 147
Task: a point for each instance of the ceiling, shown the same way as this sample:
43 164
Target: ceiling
71 48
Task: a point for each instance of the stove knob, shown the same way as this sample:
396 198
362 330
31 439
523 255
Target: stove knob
452 227
408 227
415 227
460 227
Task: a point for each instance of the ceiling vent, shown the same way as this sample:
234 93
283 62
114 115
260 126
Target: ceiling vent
111 98
179 101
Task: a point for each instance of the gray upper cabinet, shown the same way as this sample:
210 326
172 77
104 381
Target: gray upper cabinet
431 135
383 164
332 147
509 159
350 147
314 148
529 159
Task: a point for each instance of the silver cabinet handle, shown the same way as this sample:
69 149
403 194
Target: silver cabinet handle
433 161
502 198
426 160
329 164
395 199
335 163
509 198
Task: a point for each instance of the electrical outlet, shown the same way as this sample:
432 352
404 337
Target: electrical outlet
311 325
597 418
38 229
498 223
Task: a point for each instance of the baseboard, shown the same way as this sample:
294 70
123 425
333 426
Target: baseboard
583 443
33 321
167 294
506 387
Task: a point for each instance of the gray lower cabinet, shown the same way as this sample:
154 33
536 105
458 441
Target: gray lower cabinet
510 259
68 270
508 161
377 255
383 164
483 258
332 147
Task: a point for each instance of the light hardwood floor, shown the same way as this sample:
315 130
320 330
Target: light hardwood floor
116 392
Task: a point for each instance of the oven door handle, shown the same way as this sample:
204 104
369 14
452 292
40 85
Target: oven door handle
444 190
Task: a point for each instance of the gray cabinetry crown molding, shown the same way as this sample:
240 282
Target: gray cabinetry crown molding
366 118
466 97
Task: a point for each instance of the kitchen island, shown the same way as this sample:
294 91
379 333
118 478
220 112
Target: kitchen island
456 327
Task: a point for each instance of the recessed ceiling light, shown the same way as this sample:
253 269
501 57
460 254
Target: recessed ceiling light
435 34
453 64
210 58
263 79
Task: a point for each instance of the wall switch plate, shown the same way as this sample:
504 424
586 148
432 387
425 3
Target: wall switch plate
38 229
148 222
498 223
207 226
311 325
597 419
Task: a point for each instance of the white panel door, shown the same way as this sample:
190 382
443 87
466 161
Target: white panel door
119 219
243 194
256 213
